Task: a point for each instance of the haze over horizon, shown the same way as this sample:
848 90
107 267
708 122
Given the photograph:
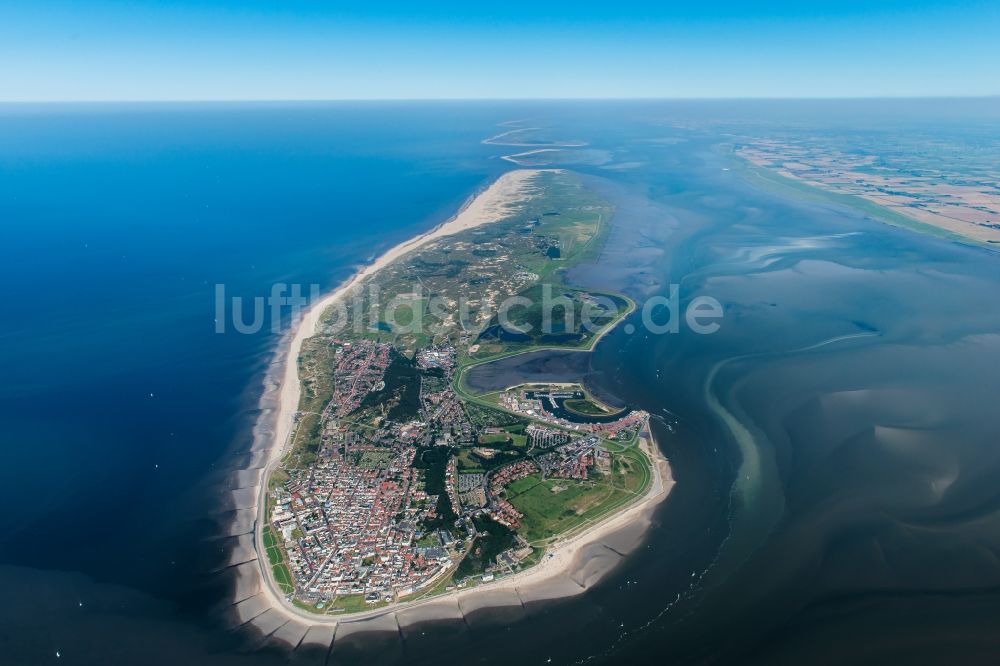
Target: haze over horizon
152 50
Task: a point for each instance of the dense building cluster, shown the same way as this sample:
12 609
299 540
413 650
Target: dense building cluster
573 460
629 422
382 508
358 369
350 528
438 356
543 438
351 520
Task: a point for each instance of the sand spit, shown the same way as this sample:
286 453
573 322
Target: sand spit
516 158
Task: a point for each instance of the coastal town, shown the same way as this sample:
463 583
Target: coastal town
396 501
399 482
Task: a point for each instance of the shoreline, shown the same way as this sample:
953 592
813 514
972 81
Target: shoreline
485 206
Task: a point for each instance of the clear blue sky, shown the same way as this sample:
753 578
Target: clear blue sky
305 49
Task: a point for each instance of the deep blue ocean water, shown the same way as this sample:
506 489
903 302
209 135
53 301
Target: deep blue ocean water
118 397
121 408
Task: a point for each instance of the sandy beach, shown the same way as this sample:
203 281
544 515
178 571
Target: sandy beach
553 577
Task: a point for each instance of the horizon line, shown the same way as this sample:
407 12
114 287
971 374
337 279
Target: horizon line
651 98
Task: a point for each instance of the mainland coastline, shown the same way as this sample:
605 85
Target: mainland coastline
565 569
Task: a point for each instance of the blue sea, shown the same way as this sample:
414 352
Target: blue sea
868 518
119 399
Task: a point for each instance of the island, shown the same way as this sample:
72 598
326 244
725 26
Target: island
392 479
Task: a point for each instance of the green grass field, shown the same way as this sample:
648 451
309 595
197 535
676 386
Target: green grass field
586 407
498 438
351 603
548 514
631 470
374 459
522 485
469 463
277 561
